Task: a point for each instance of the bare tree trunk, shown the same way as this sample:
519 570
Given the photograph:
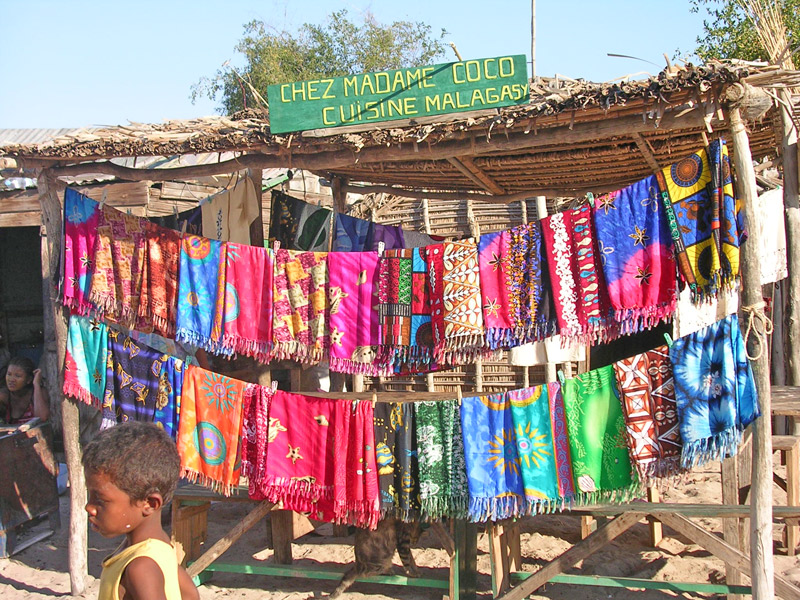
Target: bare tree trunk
791 204
49 191
762 570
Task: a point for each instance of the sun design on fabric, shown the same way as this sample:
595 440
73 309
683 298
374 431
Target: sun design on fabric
219 391
501 452
530 445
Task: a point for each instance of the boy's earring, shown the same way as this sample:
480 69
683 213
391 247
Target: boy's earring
128 526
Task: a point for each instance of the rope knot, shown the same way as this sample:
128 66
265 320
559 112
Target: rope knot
759 324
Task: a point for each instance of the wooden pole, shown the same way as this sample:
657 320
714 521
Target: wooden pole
762 572
533 39
791 205
49 191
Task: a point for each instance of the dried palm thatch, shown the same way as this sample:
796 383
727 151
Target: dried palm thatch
574 136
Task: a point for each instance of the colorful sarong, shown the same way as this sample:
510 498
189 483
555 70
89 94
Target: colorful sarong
255 432
434 257
354 321
85 361
495 271
706 223
406 474
350 234
496 489
533 435
575 276
202 260
300 310
298 225
647 390
119 265
598 444
248 301
300 463
390 235
527 282
158 298
558 421
356 498
714 390
168 402
210 428
132 379
443 490
463 308
81 219
421 350
394 308
636 251
387 417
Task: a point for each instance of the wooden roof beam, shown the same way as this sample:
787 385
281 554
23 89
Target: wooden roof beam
474 173
646 151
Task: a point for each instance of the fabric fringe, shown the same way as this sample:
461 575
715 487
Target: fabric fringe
618 496
497 338
294 350
108 304
495 508
235 344
720 282
719 446
460 350
346 365
76 391
437 507
658 472
81 307
164 326
193 476
200 341
361 513
634 320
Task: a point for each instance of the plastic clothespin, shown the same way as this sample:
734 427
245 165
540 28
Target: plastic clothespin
274 386
104 197
374 398
276 245
590 197
183 228
381 248
668 339
458 394
561 377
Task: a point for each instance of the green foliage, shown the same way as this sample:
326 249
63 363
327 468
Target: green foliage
338 47
728 33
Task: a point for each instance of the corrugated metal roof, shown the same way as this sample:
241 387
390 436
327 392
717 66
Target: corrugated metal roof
31 136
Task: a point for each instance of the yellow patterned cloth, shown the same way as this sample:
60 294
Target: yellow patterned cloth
705 219
301 308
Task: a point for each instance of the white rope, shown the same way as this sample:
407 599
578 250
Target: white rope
755 313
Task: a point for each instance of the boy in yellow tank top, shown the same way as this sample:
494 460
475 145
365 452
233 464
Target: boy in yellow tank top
131 472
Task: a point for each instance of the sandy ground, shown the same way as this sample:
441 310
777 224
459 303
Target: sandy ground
40 571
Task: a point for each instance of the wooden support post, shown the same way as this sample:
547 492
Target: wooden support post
505 555
763 569
656 534
791 205
257 226
282 535
464 560
242 527
426 216
731 526
792 496
574 555
49 192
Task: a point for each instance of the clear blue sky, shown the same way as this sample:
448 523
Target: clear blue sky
73 63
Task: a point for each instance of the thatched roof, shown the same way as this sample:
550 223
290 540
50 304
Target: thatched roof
574 136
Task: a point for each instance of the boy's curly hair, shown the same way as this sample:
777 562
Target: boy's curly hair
139 458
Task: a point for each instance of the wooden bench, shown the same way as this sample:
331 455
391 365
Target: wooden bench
789 447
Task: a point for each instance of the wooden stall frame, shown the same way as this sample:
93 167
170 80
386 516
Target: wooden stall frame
688 115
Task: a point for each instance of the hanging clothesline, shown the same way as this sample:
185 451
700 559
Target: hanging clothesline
590 274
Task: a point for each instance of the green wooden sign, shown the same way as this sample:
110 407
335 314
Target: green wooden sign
398 94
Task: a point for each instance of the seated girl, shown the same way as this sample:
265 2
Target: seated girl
22 393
